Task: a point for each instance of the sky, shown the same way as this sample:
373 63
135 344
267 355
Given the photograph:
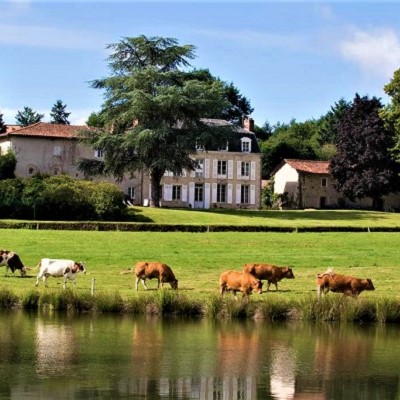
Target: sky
291 59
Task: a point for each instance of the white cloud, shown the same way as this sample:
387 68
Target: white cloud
48 37
376 52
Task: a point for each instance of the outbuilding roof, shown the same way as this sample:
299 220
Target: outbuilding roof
308 166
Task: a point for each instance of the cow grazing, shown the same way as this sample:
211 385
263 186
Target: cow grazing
149 270
57 268
271 273
237 281
12 261
348 285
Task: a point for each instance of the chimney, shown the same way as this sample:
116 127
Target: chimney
248 124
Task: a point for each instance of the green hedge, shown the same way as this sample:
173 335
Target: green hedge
60 198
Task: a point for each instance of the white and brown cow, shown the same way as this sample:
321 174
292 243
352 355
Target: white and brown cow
12 261
238 281
149 270
59 268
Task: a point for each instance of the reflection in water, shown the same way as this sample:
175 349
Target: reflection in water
96 357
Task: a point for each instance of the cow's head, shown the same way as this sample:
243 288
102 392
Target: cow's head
3 257
288 273
369 285
80 267
256 285
174 284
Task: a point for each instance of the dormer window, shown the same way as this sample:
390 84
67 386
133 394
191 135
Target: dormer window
224 148
246 145
200 147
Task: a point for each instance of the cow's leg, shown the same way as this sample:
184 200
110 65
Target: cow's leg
7 267
318 291
276 286
222 290
268 285
137 283
144 283
37 279
45 280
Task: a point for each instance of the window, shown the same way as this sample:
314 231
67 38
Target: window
57 170
198 193
244 194
246 145
177 174
176 192
324 182
245 169
221 168
131 193
221 193
199 168
57 150
99 153
200 147
31 170
224 148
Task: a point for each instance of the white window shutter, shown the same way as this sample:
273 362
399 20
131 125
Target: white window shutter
252 194
191 194
206 195
230 169
253 171
184 193
207 168
238 193
214 193
168 192
229 197
215 168
239 170
184 173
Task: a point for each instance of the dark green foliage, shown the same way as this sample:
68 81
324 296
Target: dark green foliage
3 127
30 301
60 198
28 117
58 113
8 162
363 166
8 299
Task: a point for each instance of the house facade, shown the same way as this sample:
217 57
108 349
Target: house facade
309 184
226 178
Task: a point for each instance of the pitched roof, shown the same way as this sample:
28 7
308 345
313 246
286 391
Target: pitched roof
310 167
45 129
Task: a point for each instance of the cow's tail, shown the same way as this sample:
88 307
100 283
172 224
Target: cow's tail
126 272
33 268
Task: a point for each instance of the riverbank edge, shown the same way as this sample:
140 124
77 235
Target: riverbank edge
153 227
330 308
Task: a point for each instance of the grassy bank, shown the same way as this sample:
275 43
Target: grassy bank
171 303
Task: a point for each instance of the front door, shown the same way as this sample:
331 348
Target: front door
322 202
198 196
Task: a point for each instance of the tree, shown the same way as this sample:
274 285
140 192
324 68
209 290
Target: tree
363 166
58 113
3 127
152 112
95 120
8 162
391 113
28 117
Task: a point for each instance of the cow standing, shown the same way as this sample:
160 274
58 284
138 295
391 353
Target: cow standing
12 261
271 273
237 281
59 268
149 270
348 285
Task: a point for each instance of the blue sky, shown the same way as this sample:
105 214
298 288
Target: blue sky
292 59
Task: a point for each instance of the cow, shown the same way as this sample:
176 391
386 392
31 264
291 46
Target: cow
12 261
271 273
57 268
149 270
238 281
348 285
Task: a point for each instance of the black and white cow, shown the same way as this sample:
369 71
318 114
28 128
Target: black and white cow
59 268
12 261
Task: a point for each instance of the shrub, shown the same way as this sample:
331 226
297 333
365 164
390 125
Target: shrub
8 163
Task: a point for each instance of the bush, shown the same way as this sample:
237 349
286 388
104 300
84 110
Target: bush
8 163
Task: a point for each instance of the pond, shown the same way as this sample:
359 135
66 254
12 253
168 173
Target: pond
51 355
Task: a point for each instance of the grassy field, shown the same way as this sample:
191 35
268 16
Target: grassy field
198 259
297 218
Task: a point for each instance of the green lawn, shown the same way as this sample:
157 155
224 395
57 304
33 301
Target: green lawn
199 258
298 218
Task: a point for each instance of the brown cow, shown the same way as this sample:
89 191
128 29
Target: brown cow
348 285
149 270
271 273
237 281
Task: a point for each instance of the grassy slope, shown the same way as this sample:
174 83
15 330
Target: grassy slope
270 218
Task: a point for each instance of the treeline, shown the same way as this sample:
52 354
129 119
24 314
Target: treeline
60 198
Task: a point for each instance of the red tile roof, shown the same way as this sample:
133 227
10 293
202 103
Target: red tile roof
45 129
310 167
